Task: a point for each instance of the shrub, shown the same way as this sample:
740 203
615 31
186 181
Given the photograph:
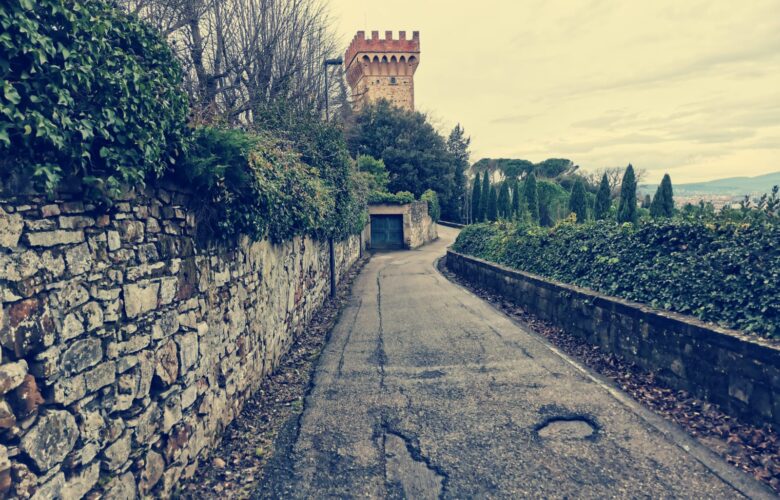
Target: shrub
254 186
90 95
717 269
434 209
399 198
374 171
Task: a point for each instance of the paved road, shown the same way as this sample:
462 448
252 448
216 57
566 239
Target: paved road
426 391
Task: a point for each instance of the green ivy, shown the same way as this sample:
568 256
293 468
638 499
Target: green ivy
88 96
434 209
719 269
258 186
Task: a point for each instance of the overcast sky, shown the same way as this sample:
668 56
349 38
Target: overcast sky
687 87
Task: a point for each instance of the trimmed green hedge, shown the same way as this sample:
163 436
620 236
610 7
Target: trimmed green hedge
723 271
399 198
89 95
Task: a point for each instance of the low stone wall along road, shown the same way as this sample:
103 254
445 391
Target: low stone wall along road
426 391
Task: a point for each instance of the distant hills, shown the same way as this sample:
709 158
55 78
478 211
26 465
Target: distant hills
732 186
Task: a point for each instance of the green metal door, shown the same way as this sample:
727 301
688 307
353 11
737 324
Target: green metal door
387 231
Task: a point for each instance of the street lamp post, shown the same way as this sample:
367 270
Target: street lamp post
330 62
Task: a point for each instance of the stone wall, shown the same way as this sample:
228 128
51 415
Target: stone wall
740 373
127 348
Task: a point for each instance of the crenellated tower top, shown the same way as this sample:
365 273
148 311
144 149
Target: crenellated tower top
383 68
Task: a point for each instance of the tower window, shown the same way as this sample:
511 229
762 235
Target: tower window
393 81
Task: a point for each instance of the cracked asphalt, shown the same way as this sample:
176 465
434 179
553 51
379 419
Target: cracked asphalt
426 391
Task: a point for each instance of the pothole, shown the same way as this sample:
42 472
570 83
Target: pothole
566 428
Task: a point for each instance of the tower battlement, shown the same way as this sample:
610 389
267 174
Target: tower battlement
383 68
380 45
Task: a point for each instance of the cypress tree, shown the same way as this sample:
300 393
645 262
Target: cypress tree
476 205
515 208
667 198
655 205
504 208
663 201
577 203
603 200
627 206
646 202
532 197
485 197
492 206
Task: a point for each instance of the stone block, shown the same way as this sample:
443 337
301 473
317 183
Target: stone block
69 389
140 297
167 325
167 364
81 355
146 424
82 481
93 315
188 350
51 488
27 328
72 326
73 294
121 488
168 289
26 398
131 231
154 466
54 238
11 227
51 439
7 417
114 241
79 259
118 453
12 375
50 210
100 376
76 222
188 396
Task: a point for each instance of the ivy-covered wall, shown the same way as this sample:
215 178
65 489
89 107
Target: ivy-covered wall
127 347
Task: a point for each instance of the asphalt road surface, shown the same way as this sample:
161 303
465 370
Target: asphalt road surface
426 391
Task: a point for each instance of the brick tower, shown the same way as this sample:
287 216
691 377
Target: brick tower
383 69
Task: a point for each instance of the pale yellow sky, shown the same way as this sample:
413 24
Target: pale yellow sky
687 87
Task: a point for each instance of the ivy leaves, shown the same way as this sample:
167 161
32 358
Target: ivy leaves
89 94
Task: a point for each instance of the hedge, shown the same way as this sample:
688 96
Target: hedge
722 271
399 198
